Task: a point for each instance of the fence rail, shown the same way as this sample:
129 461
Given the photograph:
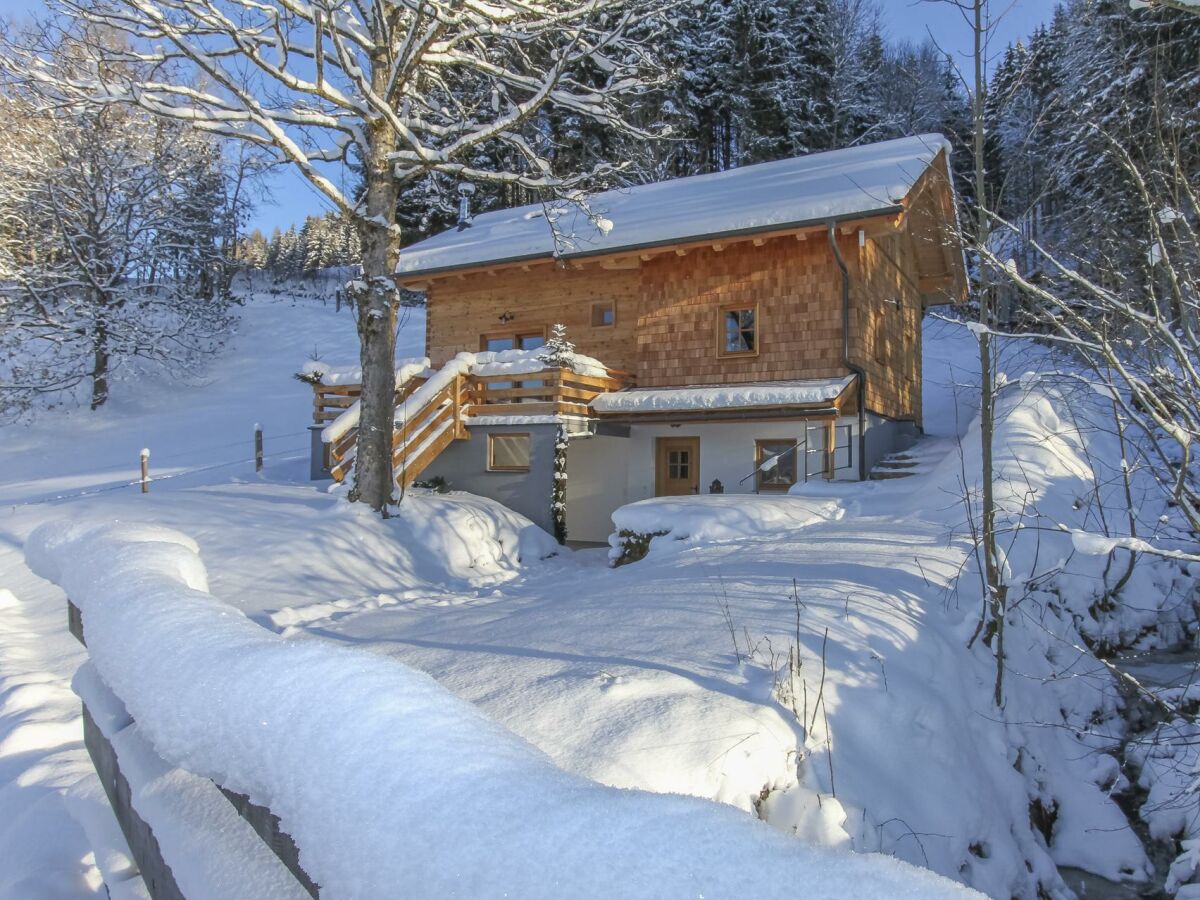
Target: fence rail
152 865
552 392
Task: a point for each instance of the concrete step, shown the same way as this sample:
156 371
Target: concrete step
897 464
888 474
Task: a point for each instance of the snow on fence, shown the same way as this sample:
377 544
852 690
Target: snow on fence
388 783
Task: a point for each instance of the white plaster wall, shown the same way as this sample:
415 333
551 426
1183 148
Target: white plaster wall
597 481
726 452
604 472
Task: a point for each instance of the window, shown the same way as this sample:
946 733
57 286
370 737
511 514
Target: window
738 331
604 314
508 452
522 340
525 339
776 461
679 464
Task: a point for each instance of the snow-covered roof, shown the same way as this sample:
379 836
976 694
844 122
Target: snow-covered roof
807 392
807 190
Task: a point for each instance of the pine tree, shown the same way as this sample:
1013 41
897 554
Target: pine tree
1130 96
558 353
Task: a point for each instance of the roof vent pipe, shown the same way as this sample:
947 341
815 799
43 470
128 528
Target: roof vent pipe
859 371
465 191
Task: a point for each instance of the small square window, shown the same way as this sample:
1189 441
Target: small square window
776 461
508 452
738 331
604 314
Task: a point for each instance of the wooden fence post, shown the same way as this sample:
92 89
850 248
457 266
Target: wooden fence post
145 457
258 448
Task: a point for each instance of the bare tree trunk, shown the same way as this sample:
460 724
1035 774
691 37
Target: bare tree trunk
99 358
993 575
376 301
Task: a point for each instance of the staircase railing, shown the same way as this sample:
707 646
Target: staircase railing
342 449
428 430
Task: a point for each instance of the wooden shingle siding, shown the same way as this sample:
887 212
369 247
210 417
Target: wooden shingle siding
885 333
668 306
462 309
794 284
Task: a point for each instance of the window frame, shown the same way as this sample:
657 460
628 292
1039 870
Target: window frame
491 445
611 305
513 334
759 485
722 352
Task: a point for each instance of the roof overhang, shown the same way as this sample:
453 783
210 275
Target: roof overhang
750 414
885 219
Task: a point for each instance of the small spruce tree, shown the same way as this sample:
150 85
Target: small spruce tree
559 353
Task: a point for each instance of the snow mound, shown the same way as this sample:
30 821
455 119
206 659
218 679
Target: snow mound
471 536
390 784
707 519
213 852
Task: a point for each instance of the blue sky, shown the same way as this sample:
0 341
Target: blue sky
291 198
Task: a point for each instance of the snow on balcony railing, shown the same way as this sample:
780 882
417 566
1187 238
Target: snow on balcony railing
390 785
347 421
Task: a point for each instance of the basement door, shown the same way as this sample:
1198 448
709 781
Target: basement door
676 466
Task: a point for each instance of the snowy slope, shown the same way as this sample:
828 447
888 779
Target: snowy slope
389 784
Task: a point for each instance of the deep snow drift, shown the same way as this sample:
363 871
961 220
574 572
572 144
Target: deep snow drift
671 674
387 782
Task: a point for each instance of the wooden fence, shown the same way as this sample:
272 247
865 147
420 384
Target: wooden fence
152 865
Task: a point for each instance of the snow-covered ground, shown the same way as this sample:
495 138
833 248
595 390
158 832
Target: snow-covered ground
670 674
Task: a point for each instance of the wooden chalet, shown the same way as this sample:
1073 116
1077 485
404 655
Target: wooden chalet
756 328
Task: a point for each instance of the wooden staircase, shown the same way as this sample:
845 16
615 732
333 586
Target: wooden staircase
422 430
426 424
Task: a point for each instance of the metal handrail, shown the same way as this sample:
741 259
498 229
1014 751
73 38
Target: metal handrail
778 456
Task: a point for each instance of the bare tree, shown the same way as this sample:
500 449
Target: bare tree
395 88
1187 6
977 15
1142 344
108 248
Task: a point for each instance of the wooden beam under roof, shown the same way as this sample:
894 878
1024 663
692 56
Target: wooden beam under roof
886 223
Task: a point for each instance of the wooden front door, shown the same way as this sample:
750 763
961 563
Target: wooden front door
677 466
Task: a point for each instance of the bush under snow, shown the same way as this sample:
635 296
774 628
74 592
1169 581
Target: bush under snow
672 523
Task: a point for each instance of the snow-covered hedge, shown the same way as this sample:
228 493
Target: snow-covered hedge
662 524
391 785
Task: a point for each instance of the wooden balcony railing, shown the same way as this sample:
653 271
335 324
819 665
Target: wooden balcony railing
331 400
551 392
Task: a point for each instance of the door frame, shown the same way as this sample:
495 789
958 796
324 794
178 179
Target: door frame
661 444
